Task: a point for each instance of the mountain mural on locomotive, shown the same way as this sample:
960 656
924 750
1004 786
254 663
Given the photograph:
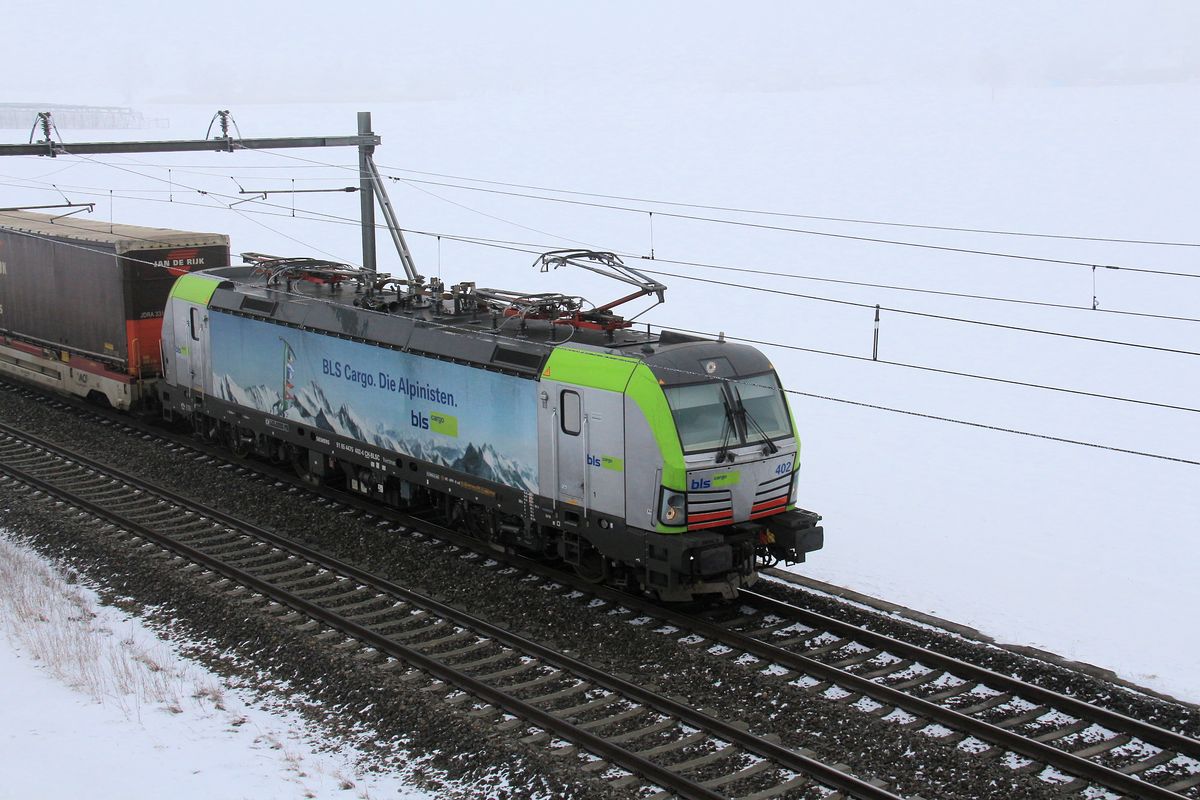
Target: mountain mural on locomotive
471 420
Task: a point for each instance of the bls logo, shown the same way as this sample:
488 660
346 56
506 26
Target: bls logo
419 420
593 461
700 483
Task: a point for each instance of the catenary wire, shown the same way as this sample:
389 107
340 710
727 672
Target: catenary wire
679 204
729 268
920 414
891 287
817 298
780 228
712 207
795 392
163 180
937 370
827 234
793 215
921 290
928 315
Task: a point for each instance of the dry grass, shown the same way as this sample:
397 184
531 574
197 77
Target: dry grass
115 661
57 623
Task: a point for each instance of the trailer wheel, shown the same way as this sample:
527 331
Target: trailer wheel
98 398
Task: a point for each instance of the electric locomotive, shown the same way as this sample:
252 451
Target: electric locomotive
664 462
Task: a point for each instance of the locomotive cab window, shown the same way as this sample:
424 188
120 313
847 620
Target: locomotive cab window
194 325
732 412
572 412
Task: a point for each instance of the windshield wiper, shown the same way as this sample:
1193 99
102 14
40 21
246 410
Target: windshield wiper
726 431
748 417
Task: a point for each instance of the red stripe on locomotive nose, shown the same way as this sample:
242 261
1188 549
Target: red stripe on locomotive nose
716 524
766 504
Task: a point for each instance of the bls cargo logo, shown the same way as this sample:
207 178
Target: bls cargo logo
606 462
715 482
181 261
436 422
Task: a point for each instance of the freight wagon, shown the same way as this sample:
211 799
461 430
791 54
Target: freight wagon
81 301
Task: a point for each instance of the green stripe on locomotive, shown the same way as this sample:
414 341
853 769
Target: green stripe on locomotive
195 288
631 377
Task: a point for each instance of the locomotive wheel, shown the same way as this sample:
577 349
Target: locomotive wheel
593 567
299 459
239 445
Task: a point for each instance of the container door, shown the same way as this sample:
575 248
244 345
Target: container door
572 458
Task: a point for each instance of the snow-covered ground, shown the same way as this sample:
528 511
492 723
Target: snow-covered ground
1086 552
95 705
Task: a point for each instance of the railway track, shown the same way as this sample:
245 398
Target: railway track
1083 748
632 734
1091 747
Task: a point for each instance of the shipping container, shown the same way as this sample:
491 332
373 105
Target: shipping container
81 297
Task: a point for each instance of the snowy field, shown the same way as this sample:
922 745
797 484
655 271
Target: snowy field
133 718
1087 552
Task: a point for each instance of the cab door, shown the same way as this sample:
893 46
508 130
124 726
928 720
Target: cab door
571 468
187 362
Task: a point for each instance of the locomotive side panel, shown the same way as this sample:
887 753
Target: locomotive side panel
469 420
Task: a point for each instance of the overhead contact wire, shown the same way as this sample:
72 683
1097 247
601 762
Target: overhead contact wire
798 295
796 392
938 370
928 315
828 234
791 215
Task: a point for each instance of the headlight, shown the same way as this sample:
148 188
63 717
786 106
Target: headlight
673 508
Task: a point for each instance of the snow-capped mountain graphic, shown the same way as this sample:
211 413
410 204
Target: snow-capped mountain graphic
486 463
311 406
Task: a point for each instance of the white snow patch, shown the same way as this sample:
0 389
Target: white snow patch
866 704
1056 719
911 672
1052 775
973 745
936 731
1014 761
136 718
795 629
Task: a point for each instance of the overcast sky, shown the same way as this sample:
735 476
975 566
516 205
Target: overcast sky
146 51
